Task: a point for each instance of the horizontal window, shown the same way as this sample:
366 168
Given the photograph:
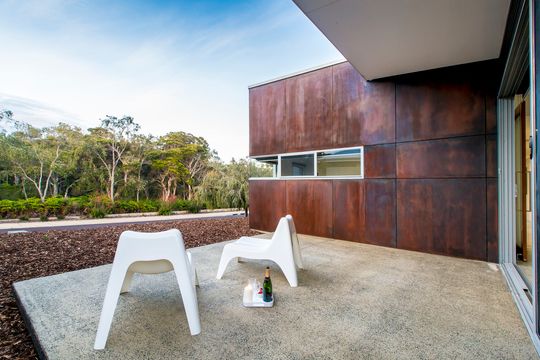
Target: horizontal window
332 163
265 167
346 162
298 165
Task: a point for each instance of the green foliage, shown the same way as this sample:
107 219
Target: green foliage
126 206
227 185
56 206
97 213
165 209
10 192
64 170
148 205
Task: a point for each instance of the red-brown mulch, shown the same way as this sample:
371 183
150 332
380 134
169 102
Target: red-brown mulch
29 255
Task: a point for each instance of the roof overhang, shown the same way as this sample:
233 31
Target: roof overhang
383 38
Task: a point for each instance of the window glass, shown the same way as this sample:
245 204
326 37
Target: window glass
297 165
339 163
264 167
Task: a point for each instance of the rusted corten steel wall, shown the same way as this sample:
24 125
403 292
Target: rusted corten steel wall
430 157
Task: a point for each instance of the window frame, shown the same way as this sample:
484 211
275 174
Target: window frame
315 176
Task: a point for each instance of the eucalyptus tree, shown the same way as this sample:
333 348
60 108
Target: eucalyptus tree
227 185
110 142
180 161
135 159
33 154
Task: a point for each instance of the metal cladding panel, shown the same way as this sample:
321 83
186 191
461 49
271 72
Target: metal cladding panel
308 111
267 203
267 119
349 199
442 216
363 112
492 221
491 155
380 212
430 157
457 157
310 204
438 110
491 114
380 161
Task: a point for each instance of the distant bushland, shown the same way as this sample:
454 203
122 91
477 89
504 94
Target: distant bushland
63 170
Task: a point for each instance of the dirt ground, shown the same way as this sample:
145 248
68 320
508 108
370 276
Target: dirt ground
29 255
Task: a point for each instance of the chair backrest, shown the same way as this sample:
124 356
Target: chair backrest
282 236
152 245
295 243
294 236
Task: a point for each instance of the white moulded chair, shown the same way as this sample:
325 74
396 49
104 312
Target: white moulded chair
149 253
283 249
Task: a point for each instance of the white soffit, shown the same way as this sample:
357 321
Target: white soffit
382 38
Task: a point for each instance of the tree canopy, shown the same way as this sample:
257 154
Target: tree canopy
117 161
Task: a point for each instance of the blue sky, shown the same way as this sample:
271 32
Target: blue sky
173 65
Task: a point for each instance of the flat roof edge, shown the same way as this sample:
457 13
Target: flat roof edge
332 63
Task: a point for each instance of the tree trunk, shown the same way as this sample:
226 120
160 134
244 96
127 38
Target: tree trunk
24 190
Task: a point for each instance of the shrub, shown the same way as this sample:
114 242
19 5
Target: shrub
97 213
183 205
10 192
79 205
126 206
56 206
148 206
7 209
102 203
194 207
32 207
165 209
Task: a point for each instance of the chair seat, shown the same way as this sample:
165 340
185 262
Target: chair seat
247 241
149 253
282 249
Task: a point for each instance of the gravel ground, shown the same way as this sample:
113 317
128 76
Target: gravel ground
29 255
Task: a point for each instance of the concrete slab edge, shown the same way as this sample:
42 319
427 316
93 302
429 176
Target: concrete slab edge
28 324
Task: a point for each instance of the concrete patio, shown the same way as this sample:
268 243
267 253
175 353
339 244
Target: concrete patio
354 301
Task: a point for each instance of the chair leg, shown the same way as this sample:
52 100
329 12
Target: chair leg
193 269
127 282
298 257
289 269
116 279
189 296
225 258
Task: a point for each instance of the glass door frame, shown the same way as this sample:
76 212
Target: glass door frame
520 57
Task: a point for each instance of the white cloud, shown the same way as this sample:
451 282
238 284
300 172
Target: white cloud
169 70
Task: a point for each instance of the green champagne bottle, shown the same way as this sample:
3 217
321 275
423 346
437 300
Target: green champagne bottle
267 286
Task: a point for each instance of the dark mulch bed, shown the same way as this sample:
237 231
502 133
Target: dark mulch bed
29 255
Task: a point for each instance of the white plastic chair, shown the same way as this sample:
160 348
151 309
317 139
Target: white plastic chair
283 249
149 253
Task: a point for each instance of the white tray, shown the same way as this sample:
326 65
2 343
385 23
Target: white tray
257 302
